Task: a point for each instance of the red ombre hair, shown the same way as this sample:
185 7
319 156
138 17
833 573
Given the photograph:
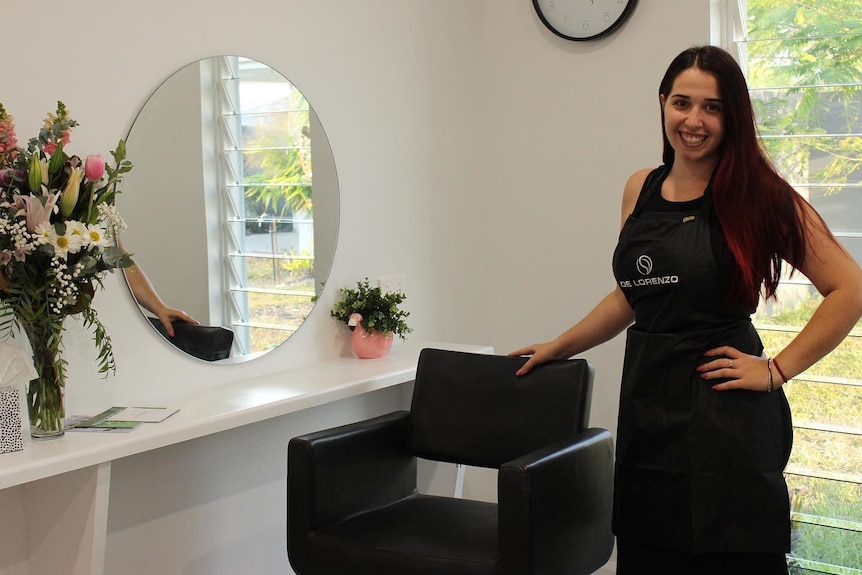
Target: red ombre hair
759 212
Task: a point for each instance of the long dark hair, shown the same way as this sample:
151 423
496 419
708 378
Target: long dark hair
758 210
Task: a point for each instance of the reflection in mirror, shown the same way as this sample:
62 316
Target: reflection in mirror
219 206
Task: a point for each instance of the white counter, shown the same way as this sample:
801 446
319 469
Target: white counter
61 489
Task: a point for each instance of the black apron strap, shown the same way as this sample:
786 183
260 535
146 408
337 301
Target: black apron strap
649 188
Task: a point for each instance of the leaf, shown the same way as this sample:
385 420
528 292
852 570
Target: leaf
115 257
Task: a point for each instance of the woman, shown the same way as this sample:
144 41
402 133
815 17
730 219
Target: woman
149 299
704 427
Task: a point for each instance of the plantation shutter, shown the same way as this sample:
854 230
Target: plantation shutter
265 187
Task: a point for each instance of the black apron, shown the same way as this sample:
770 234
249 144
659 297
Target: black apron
697 470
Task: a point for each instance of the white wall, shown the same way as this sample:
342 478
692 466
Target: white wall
478 155
176 180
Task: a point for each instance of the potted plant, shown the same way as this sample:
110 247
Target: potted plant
373 316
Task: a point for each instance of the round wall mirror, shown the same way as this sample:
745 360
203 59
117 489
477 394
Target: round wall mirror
232 206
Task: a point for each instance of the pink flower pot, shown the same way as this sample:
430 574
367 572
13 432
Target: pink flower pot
370 345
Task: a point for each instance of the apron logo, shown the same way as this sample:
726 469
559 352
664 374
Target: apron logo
644 265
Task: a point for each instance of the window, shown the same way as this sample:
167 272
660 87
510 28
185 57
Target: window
267 258
803 61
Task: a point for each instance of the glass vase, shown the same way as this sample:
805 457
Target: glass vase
45 394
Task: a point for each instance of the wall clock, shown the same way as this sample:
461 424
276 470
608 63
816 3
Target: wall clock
581 20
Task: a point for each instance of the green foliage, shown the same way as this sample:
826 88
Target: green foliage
829 404
282 297
103 340
277 273
115 174
281 163
379 310
805 63
299 267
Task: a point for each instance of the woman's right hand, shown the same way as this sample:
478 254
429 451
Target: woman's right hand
611 316
539 353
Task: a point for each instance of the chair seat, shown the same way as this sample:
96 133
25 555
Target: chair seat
429 529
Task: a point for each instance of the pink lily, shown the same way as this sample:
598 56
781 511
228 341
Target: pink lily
36 212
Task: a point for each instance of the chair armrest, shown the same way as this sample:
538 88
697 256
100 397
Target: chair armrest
555 506
336 473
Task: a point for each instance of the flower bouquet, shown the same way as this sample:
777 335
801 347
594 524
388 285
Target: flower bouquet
58 229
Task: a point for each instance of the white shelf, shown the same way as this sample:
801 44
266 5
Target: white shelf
218 409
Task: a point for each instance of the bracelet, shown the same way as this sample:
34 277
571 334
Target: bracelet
781 373
769 372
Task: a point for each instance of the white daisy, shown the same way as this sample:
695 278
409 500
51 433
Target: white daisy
77 228
43 234
70 242
95 236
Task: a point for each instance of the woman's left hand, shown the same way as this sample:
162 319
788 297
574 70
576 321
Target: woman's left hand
742 371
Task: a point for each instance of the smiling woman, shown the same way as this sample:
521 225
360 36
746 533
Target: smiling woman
224 211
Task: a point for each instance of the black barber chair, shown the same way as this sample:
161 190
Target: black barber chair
352 503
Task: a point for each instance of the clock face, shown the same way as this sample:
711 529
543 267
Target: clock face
583 19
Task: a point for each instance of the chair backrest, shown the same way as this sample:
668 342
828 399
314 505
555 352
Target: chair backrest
207 342
471 408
